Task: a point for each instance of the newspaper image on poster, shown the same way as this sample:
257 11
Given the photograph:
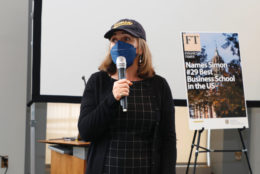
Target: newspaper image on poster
214 81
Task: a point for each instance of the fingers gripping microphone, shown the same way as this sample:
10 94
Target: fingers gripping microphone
121 68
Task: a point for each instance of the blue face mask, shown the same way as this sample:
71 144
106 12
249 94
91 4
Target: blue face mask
123 49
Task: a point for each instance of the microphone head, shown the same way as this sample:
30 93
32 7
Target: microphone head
120 62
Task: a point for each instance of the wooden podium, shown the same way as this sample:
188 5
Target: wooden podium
67 157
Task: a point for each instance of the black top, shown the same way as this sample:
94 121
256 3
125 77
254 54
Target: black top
130 144
99 111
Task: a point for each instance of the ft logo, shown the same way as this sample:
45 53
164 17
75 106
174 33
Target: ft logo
191 42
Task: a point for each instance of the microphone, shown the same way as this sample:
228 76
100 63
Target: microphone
121 68
84 79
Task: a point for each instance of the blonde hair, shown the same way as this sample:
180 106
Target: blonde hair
145 67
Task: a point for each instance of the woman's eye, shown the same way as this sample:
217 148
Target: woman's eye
113 40
127 39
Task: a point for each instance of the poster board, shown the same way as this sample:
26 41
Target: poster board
214 80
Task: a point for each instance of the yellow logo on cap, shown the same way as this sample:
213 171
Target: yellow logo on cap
122 23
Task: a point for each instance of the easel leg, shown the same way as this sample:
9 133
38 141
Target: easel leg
197 151
191 150
244 149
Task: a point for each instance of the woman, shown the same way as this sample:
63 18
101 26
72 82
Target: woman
141 140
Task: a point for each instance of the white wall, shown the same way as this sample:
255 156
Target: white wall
254 151
13 81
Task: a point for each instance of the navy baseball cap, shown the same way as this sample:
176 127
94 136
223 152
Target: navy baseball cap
128 25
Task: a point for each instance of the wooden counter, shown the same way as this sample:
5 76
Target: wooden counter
62 162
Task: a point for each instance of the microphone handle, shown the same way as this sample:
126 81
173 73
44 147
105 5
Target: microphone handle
123 100
123 103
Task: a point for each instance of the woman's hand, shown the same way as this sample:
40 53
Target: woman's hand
121 88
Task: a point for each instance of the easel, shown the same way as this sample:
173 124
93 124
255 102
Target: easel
205 150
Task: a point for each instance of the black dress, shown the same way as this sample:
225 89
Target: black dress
99 111
131 133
